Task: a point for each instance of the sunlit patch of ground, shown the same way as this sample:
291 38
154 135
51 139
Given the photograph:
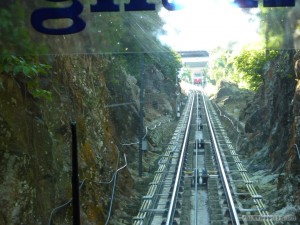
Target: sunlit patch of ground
210 89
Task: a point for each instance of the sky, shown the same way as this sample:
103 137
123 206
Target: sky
207 24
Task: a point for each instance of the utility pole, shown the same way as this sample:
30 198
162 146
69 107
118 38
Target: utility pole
141 115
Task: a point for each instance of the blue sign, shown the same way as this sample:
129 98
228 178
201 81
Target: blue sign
73 12
266 3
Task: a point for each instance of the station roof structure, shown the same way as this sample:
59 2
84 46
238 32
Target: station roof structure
194 60
196 64
192 54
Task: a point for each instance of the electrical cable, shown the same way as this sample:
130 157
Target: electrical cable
63 205
297 149
146 128
133 143
114 185
114 174
81 185
236 127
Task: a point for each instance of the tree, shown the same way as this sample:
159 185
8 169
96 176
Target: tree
221 67
15 41
245 68
275 27
250 64
186 75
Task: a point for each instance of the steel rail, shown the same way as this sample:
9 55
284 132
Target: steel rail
171 210
196 166
261 208
228 194
154 189
152 197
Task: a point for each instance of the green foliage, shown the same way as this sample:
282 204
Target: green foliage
245 69
16 40
133 64
273 27
186 75
22 70
250 63
221 67
139 32
135 42
168 63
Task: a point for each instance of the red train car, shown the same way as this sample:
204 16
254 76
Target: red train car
197 78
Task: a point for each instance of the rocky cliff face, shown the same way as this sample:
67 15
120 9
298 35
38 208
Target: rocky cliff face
269 132
272 136
269 116
35 142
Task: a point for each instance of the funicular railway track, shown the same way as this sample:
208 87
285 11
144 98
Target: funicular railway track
181 193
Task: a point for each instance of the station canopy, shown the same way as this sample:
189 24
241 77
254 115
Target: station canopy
192 54
196 64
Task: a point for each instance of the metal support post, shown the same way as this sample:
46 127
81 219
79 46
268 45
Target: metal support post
141 116
75 179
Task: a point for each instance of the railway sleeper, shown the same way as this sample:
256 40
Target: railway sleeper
213 182
180 189
218 222
214 198
179 195
178 204
200 127
176 214
213 190
231 223
181 180
216 216
175 222
239 210
216 210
